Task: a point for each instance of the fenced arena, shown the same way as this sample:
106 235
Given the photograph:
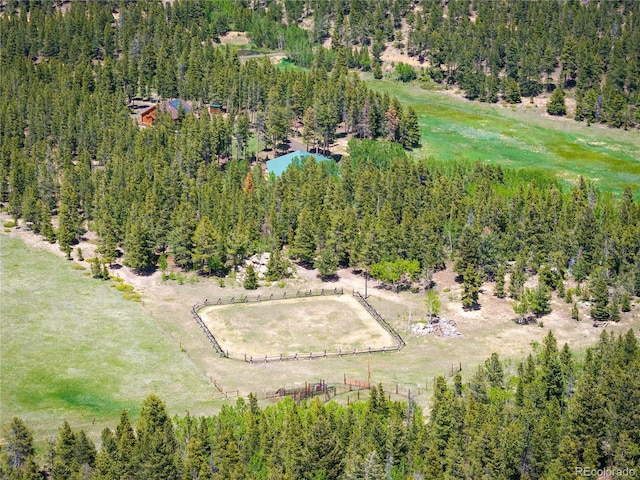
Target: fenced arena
306 324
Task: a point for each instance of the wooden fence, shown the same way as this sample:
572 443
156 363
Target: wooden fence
312 355
264 298
259 359
383 323
207 332
351 389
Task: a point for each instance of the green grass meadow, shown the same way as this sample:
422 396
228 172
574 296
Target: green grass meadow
71 348
452 129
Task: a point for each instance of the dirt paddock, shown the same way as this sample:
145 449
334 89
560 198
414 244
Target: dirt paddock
294 325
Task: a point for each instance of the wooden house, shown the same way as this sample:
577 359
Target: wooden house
172 107
148 115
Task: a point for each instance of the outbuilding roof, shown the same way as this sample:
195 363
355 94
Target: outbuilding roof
280 164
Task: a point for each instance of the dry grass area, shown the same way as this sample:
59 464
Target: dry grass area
296 325
234 38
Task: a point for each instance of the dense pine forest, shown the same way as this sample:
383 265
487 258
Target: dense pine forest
74 160
555 418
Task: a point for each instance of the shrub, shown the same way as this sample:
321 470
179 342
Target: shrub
123 287
405 72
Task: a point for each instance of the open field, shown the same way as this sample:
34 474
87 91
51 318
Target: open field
296 325
520 137
73 348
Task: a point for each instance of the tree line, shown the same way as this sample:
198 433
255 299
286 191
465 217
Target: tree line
550 417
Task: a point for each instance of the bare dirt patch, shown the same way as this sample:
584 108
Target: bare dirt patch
234 38
300 325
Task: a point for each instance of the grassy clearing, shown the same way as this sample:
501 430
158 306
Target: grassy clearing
300 325
522 138
72 348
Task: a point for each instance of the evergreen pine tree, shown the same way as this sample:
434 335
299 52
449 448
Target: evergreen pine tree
377 71
614 309
625 302
409 128
309 128
517 279
276 268
205 246
555 105
564 466
575 314
156 441
500 282
139 253
540 298
304 243
599 298
18 447
250 279
326 262
65 463
471 287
